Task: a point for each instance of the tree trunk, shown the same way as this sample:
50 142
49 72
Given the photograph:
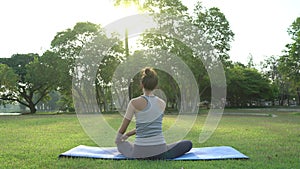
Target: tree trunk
32 108
298 94
103 93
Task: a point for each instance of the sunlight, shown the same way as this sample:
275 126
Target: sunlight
123 11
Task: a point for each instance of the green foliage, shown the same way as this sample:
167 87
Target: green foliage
104 77
127 2
170 7
33 78
69 43
216 28
8 78
66 47
292 60
245 85
289 63
80 48
36 76
294 29
75 38
18 62
21 91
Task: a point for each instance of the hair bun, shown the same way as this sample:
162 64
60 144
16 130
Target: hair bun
148 72
149 78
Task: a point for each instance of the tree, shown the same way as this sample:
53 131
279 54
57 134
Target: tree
67 45
216 28
289 63
32 78
279 83
8 79
210 24
81 47
57 77
104 77
246 85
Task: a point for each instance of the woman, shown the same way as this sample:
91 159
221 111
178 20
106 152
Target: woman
148 111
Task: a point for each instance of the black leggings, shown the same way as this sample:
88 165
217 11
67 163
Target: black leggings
155 152
174 150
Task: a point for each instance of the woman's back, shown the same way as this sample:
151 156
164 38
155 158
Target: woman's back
148 108
149 121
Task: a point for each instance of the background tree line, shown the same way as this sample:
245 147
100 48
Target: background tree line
30 79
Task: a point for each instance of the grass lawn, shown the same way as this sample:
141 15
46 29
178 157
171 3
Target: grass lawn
35 141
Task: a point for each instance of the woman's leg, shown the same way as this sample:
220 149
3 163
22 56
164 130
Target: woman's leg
178 149
126 148
140 152
174 150
144 152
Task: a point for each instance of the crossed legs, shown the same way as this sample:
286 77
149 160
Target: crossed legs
155 152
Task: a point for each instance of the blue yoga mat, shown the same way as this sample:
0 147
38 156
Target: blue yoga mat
111 153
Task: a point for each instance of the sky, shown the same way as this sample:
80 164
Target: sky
260 26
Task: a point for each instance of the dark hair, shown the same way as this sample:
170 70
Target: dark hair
149 78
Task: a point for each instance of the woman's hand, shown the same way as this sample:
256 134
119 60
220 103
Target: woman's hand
121 138
124 137
126 120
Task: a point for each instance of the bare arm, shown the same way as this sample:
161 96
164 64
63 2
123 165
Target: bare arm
131 133
127 118
125 123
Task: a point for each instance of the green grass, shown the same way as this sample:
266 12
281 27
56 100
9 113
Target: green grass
35 141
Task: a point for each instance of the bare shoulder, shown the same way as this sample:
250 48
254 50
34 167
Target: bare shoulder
139 103
138 100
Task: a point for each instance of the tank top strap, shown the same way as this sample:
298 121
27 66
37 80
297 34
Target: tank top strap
145 97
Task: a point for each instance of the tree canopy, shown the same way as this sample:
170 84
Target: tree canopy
29 78
289 63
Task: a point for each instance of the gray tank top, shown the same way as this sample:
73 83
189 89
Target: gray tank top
149 123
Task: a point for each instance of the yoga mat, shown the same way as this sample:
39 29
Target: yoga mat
111 153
